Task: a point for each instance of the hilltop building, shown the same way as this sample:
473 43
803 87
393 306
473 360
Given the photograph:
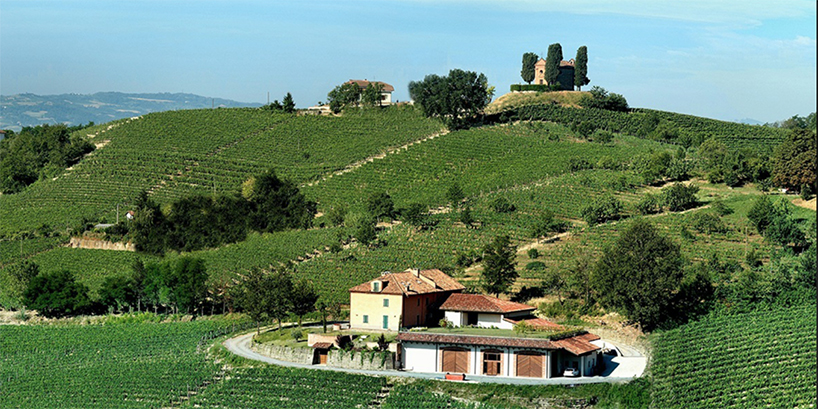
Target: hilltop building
386 90
565 77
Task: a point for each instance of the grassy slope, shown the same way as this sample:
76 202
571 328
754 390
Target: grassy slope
517 99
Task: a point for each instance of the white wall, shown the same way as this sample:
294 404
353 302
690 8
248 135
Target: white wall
419 357
493 320
455 317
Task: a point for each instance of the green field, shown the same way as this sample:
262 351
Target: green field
761 359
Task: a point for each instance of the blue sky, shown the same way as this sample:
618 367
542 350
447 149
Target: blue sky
722 59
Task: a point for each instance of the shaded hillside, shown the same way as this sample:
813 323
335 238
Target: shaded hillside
74 109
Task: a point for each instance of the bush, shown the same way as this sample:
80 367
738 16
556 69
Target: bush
297 334
57 295
502 205
602 136
705 222
530 87
533 253
678 197
535 266
648 205
599 98
604 208
721 208
548 224
576 164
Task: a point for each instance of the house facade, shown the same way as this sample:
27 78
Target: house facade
400 300
499 356
386 89
565 77
484 311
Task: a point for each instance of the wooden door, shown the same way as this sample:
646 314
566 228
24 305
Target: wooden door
322 357
456 360
529 364
492 361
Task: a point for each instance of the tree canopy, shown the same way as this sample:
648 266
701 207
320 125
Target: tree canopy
455 98
57 294
499 270
794 160
639 275
343 96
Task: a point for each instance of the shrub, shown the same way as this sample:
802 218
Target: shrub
297 334
548 224
721 208
599 98
502 205
678 197
576 164
648 205
533 253
706 222
530 87
607 162
602 209
602 136
535 266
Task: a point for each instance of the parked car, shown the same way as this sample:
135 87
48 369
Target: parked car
572 372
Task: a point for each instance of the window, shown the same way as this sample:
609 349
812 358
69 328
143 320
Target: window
366 319
385 302
385 322
376 287
418 302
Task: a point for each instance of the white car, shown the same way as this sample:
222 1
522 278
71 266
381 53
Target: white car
572 372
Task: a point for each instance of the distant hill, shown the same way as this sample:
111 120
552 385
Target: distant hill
17 111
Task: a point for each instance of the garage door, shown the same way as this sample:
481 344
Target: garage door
529 364
456 360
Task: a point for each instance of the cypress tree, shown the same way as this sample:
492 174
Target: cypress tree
581 68
529 61
552 63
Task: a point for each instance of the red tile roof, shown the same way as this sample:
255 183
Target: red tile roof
322 345
364 83
411 282
482 303
563 63
536 322
575 345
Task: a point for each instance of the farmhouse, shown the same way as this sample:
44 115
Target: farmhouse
565 77
485 311
386 89
400 300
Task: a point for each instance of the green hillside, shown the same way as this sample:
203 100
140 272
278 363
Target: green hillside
173 153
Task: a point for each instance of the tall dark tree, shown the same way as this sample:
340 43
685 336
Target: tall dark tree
118 292
639 275
14 280
252 296
552 63
499 270
455 99
343 96
381 206
288 105
581 68
188 283
529 61
280 296
794 160
303 298
148 228
279 205
57 294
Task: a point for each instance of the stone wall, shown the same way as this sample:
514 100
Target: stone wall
360 360
95 243
297 355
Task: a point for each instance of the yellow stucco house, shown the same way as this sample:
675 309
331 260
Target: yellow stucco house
400 300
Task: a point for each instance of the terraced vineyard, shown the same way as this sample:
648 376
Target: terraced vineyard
126 365
760 359
179 152
412 397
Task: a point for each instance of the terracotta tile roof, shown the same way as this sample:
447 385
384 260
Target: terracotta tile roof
537 322
411 283
482 303
575 345
563 63
322 345
364 83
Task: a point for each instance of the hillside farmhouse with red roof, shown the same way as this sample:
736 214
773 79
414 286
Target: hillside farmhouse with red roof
386 89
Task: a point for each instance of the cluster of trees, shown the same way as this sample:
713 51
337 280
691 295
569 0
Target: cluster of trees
266 204
39 152
274 295
349 94
169 286
456 98
600 98
552 68
287 105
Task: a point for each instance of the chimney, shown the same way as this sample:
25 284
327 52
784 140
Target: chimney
415 271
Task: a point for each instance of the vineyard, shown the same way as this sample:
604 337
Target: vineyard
415 397
173 153
760 359
277 387
127 365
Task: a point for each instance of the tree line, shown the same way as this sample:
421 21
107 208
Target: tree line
266 203
39 152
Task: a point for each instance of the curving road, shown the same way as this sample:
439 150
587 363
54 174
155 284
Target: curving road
619 368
